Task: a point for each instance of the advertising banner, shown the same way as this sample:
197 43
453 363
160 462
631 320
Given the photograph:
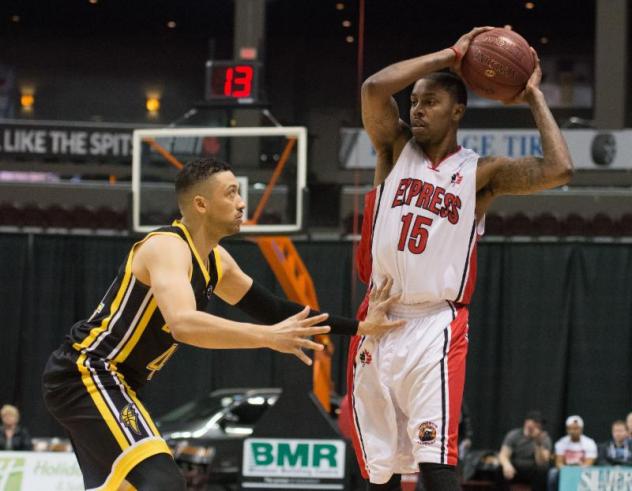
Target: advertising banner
31 471
590 149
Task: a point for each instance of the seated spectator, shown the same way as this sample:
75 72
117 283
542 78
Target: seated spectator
573 449
618 450
525 453
13 436
628 423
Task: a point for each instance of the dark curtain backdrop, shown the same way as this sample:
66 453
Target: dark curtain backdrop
550 327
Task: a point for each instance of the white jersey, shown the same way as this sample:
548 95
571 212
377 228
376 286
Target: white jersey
425 233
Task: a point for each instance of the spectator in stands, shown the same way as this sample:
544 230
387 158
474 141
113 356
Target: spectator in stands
525 453
573 449
13 436
618 450
628 423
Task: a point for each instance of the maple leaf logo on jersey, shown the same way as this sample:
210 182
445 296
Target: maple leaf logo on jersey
366 358
456 178
129 418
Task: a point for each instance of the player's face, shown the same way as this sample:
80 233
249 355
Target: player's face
225 209
433 111
619 433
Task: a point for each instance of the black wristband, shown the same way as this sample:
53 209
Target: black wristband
266 307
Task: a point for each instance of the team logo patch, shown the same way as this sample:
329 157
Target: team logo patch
365 358
456 178
209 291
129 418
427 433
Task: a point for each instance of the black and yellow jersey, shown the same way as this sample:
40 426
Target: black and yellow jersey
127 333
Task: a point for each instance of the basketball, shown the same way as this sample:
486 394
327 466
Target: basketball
498 64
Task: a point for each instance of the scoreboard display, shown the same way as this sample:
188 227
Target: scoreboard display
233 82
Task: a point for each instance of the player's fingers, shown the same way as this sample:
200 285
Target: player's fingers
314 331
303 357
307 344
311 321
387 288
478 30
390 301
302 314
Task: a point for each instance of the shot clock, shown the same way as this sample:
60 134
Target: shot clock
232 82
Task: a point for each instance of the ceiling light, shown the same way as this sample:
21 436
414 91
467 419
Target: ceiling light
529 5
508 26
340 6
152 104
171 24
15 18
93 2
349 39
27 101
544 40
346 23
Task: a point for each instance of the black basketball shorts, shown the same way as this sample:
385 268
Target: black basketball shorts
110 429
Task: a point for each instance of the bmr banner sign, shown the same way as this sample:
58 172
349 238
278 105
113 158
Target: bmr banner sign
283 463
34 471
590 149
596 478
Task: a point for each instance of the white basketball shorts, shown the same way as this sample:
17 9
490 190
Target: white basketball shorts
408 388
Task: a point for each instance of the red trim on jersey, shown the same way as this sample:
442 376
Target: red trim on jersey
470 283
363 257
457 354
353 351
434 166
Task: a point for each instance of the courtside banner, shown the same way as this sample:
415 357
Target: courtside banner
595 478
34 140
34 471
590 149
287 463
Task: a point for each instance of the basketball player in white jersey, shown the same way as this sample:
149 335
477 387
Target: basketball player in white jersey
422 222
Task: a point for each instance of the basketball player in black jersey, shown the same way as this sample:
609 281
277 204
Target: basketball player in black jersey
156 302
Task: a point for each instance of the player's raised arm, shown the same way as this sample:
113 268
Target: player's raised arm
239 289
380 115
165 262
502 175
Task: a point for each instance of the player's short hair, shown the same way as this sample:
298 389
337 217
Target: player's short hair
197 171
619 422
451 83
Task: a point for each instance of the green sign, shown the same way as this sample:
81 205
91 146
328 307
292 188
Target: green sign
281 457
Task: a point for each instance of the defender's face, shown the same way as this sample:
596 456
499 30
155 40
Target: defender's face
224 208
433 111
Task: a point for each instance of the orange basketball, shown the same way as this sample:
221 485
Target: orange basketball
498 64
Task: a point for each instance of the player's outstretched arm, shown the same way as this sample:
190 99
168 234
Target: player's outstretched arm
238 289
165 263
502 175
380 115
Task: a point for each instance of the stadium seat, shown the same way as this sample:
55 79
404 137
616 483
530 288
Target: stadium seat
547 224
34 216
494 224
624 225
83 217
518 224
602 225
575 225
58 217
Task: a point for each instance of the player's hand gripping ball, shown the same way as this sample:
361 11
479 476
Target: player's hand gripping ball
497 64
